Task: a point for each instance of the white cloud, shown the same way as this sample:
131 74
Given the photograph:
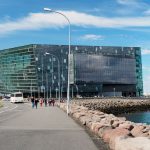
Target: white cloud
36 21
145 52
134 4
127 2
92 37
132 7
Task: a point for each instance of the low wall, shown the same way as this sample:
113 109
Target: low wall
119 133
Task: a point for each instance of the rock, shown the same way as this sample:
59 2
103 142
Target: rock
105 127
102 116
122 118
95 127
138 143
115 124
89 123
98 113
96 118
126 126
105 121
112 134
143 135
112 121
137 130
83 120
91 111
78 115
146 130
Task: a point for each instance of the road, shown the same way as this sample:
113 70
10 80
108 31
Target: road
46 128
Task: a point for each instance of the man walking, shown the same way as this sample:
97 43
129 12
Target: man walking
36 103
45 101
32 101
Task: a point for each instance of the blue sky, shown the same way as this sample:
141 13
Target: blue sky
93 22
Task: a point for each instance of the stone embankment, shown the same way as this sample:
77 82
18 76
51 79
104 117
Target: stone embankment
119 133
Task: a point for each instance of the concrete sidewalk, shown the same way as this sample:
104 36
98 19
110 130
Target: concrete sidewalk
46 128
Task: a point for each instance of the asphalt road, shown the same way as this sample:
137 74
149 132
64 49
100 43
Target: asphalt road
46 128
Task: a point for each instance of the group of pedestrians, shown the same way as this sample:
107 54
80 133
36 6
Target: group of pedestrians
42 101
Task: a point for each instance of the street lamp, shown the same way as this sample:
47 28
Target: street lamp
114 92
58 70
31 87
69 40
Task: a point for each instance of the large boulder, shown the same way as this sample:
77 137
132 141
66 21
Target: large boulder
111 134
84 120
103 128
137 130
77 115
126 126
95 127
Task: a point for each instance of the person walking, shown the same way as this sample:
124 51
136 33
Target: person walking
45 101
41 101
36 103
49 102
32 101
53 102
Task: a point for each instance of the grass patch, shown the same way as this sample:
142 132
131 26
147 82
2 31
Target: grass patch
1 104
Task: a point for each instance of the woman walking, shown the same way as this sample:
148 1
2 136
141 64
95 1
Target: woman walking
41 101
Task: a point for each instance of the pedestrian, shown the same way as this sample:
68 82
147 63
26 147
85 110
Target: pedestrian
45 101
53 102
41 101
32 101
36 103
28 98
49 102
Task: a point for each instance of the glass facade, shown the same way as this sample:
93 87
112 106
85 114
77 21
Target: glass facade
105 69
94 70
18 71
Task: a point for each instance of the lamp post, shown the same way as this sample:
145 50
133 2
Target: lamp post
58 71
114 92
47 84
69 40
50 92
31 87
42 87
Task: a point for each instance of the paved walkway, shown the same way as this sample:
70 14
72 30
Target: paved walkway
46 128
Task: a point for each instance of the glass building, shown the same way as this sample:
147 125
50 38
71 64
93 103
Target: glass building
41 70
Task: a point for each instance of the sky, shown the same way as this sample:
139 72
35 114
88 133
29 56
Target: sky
93 22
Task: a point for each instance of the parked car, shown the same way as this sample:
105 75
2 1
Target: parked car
79 96
6 98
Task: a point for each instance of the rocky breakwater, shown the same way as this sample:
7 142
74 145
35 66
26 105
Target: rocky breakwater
116 106
119 133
